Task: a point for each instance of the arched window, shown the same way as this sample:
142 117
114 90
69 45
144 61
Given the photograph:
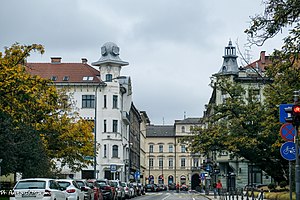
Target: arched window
108 77
115 150
183 129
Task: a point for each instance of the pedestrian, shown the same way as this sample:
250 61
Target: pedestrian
177 187
215 189
219 187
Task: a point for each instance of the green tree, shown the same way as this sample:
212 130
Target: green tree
30 107
238 126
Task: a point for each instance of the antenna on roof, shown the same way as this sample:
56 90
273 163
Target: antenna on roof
163 121
184 115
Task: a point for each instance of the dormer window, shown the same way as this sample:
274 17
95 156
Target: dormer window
87 78
66 78
53 78
224 68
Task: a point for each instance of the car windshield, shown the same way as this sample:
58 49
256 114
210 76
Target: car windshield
123 184
80 183
114 184
31 185
64 184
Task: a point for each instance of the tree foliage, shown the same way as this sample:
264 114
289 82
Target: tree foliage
36 129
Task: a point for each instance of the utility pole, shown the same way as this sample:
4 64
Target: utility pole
297 169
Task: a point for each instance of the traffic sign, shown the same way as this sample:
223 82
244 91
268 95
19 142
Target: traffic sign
202 176
288 132
113 168
288 150
282 113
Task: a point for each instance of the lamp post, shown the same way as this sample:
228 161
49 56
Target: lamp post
95 135
101 84
0 171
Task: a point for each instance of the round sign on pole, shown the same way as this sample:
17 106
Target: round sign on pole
288 132
288 150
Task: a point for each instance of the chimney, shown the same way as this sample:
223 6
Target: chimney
55 60
263 57
84 60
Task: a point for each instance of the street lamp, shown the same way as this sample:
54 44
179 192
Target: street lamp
0 170
101 84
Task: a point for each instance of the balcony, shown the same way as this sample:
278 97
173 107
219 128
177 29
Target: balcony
125 117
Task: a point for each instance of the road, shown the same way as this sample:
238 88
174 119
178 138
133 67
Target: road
171 195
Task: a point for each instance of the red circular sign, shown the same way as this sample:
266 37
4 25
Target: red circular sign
288 132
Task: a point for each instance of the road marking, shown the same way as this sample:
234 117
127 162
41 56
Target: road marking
166 196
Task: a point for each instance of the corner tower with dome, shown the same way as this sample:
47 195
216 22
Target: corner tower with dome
113 102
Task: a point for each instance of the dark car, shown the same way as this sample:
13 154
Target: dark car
88 191
172 186
149 188
108 191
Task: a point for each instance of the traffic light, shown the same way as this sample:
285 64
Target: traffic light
296 114
293 115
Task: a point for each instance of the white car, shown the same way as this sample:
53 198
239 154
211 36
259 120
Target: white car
72 189
38 188
120 190
129 191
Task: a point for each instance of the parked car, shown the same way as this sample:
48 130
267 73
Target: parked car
85 187
38 188
98 195
119 189
172 186
184 187
109 192
162 187
142 188
152 188
129 191
72 189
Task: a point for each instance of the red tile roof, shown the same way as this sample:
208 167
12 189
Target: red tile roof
65 72
262 62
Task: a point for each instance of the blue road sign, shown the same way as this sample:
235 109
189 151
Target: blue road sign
288 150
288 132
137 175
113 168
282 113
202 176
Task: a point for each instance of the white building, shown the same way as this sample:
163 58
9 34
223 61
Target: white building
101 94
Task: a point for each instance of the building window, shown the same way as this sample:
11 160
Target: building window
88 101
151 162
115 101
104 126
115 150
183 129
182 162
108 78
151 148
115 126
183 150
104 151
104 101
160 163
161 148
170 163
170 148
196 162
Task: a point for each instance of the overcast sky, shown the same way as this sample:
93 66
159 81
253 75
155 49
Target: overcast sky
172 46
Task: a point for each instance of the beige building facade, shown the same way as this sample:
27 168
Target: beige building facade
169 161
